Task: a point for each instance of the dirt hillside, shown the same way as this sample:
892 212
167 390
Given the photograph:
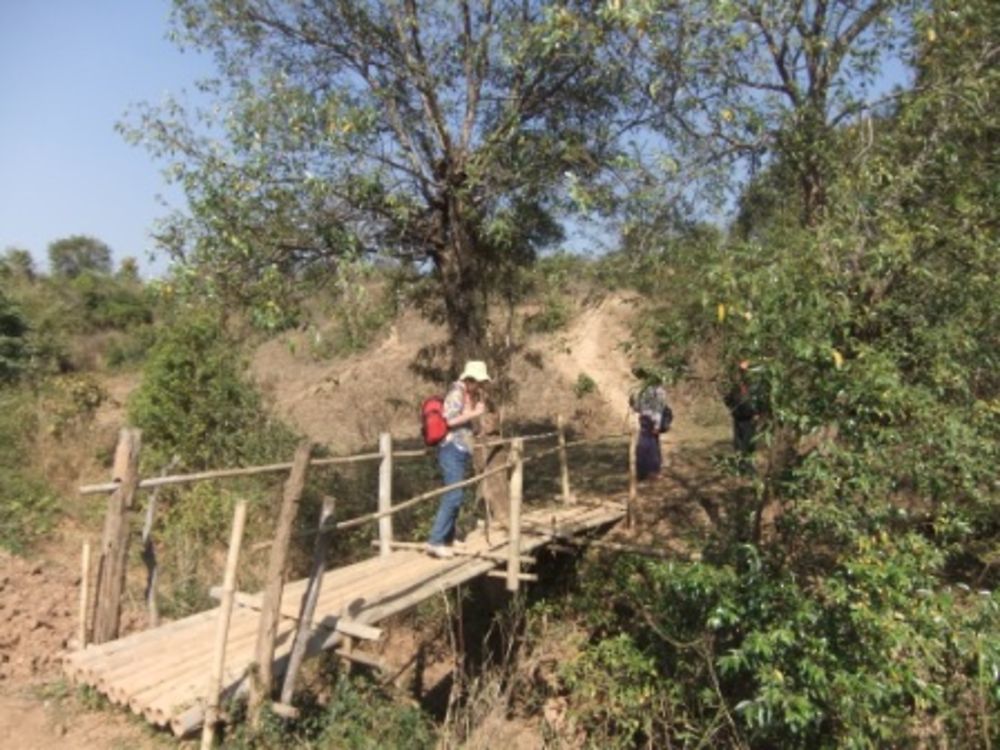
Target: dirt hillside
345 403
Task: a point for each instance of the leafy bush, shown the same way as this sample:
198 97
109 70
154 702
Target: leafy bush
111 303
196 402
15 351
584 385
876 652
28 507
358 716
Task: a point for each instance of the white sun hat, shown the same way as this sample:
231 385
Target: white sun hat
475 369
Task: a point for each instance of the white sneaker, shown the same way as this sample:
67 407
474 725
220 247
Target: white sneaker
440 551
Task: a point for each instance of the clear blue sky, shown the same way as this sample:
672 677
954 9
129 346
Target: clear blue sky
69 69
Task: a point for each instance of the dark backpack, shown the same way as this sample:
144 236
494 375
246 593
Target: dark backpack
666 418
433 425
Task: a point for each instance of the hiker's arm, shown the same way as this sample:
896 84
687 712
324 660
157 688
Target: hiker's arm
468 414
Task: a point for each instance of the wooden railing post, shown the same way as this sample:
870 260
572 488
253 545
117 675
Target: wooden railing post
270 611
83 632
222 626
633 444
114 541
385 494
309 599
514 522
563 463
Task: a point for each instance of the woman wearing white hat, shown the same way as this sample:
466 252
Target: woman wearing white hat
463 404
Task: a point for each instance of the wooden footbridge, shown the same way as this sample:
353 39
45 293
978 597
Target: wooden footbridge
178 675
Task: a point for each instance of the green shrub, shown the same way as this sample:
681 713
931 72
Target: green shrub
28 507
15 350
196 402
358 716
874 653
584 385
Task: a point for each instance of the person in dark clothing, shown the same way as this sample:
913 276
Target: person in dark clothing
649 402
744 407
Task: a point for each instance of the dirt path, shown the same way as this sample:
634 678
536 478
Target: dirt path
37 618
593 347
27 723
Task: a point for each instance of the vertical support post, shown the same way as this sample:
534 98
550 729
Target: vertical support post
149 549
114 541
262 676
514 523
82 631
563 463
309 600
222 626
385 494
633 444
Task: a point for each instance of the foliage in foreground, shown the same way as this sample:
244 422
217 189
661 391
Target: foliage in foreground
28 508
358 716
854 602
747 653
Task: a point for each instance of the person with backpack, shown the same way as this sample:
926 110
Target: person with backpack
462 406
743 403
649 402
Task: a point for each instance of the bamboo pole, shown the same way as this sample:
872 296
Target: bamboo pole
222 628
202 476
563 463
84 596
260 687
149 549
633 442
114 542
309 600
514 523
385 493
360 520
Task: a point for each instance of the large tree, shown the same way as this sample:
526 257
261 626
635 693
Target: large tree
739 80
71 256
446 132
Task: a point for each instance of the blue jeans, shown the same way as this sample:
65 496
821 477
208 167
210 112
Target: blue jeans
453 462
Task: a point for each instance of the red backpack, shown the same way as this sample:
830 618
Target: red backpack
433 425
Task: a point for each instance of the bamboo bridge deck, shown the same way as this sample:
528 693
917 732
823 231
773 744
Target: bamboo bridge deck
162 673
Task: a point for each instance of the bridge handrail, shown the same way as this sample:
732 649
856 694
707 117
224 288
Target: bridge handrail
351 523
201 476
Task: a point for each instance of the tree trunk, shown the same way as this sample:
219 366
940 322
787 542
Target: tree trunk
494 490
462 284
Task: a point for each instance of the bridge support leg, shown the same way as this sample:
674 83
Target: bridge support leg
385 494
222 627
567 497
309 600
514 523
270 613
633 480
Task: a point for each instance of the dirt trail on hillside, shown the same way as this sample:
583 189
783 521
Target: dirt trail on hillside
594 347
